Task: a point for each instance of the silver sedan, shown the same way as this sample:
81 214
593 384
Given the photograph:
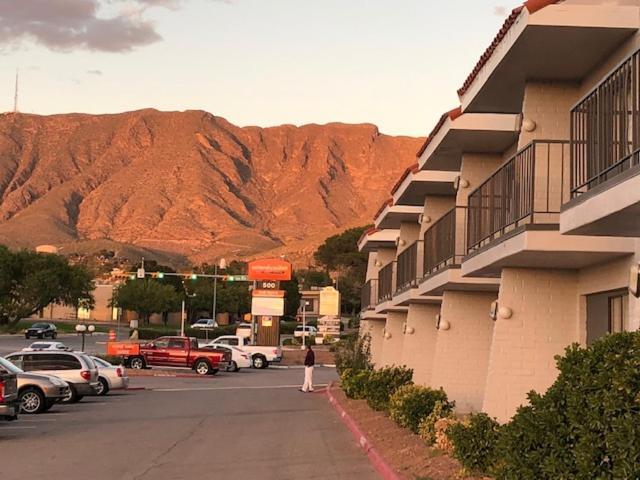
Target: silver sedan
110 377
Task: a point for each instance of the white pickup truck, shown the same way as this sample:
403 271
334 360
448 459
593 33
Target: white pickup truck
261 357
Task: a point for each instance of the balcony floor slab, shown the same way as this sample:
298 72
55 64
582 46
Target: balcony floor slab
450 278
535 248
404 299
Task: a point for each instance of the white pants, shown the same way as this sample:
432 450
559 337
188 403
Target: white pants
307 386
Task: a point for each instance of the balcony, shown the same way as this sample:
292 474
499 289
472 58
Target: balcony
444 242
528 190
369 295
605 155
513 217
407 265
385 283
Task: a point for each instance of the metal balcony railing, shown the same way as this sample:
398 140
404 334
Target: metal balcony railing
407 268
369 295
385 283
445 241
605 129
529 189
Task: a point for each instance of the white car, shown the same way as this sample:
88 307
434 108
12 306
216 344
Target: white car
110 377
239 358
205 323
307 331
38 346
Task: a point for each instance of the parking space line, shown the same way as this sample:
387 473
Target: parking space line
38 420
200 389
16 428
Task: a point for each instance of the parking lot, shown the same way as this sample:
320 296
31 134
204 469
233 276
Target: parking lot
251 424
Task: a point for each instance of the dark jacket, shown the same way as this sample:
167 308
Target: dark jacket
310 359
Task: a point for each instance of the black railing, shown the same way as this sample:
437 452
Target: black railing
369 295
605 129
529 189
445 241
407 268
385 283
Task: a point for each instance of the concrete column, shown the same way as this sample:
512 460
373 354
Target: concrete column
375 331
634 303
392 346
419 346
462 352
544 320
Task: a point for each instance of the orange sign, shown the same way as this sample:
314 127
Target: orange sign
270 269
123 348
268 293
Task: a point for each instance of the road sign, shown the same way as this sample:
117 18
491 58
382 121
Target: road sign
268 285
268 293
270 269
140 273
270 306
329 302
236 278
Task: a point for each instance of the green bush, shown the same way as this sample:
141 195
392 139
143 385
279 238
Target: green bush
383 383
352 351
587 425
427 427
475 442
354 383
410 404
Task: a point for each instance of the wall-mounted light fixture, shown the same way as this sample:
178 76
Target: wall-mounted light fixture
444 324
634 281
493 311
528 125
377 263
409 330
387 335
505 312
402 242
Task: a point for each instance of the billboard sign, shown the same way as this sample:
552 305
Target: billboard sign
269 269
330 302
270 306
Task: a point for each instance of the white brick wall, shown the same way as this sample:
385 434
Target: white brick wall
374 328
462 352
544 321
392 347
418 349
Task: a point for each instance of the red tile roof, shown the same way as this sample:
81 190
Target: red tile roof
409 170
452 115
367 232
387 203
532 6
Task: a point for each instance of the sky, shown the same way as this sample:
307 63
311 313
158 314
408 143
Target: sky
394 63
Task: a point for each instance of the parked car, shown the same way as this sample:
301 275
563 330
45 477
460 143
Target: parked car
36 393
305 331
110 377
75 368
243 330
181 352
261 357
9 405
56 346
239 358
41 330
205 323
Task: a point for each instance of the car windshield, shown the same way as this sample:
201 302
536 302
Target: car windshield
40 345
8 366
39 325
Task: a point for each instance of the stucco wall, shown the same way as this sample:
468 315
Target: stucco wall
419 346
375 330
544 321
392 346
462 352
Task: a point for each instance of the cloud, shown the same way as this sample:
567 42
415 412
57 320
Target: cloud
500 11
94 72
71 25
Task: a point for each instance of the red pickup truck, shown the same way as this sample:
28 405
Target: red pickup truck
172 352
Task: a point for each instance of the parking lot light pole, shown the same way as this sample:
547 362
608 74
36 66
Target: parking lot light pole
83 330
223 265
304 322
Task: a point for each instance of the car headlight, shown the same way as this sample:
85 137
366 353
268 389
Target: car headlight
57 382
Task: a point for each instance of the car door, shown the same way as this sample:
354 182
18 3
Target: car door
159 354
177 352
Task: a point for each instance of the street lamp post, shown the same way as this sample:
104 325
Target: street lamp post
305 303
223 265
83 330
184 304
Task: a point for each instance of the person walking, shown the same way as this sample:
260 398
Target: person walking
309 362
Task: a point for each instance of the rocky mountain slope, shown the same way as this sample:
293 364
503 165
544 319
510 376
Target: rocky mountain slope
189 184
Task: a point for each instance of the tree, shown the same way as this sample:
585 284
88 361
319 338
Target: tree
339 256
145 297
313 278
292 297
30 281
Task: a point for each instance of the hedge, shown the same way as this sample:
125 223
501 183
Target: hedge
354 383
475 442
410 404
383 383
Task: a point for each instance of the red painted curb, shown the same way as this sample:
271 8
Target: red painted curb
379 463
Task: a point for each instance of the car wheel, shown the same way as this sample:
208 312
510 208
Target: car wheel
27 336
103 387
31 401
71 396
259 362
137 363
234 366
202 367
54 335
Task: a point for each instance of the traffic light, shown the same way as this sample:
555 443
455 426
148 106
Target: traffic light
230 278
194 276
132 277
160 275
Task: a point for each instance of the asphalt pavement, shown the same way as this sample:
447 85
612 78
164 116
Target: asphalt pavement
96 343
254 424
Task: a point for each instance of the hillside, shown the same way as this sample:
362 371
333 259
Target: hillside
189 184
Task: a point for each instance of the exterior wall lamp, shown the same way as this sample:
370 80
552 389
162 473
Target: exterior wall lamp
528 125
442 324
634 281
